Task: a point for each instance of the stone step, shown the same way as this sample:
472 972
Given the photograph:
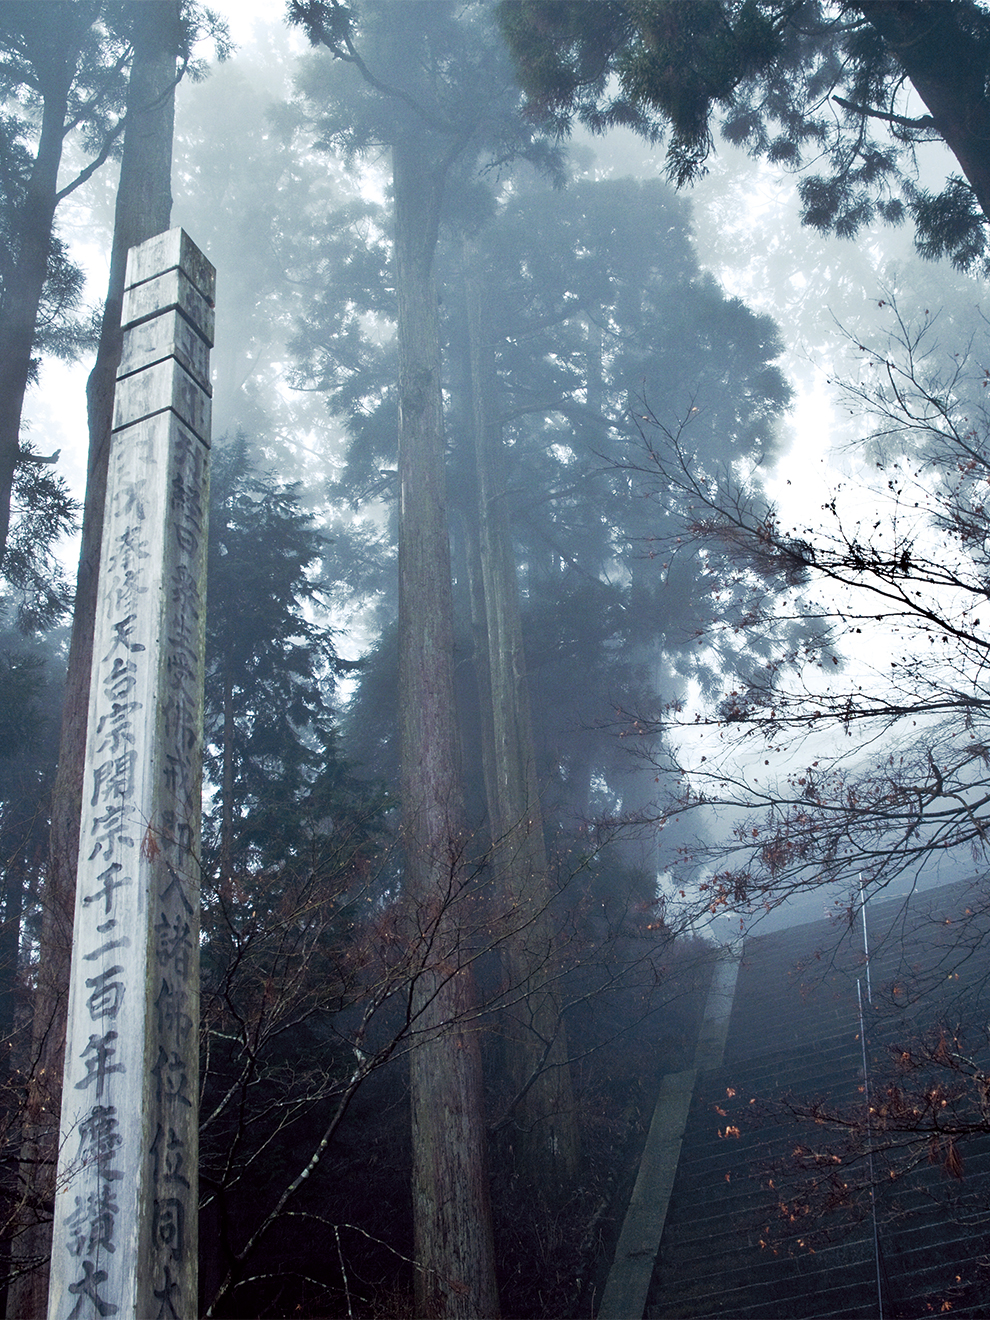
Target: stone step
795 1035
832 1281
836 1280
923 1243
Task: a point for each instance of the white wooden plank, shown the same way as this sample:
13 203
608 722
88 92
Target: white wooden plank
167 335
125 1231
160 386
173 289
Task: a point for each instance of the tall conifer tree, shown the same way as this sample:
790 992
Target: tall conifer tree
75 64
426 92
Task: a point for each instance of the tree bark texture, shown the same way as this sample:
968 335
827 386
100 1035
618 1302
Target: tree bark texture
143 209
545 1142
455 1274
479 650
929 39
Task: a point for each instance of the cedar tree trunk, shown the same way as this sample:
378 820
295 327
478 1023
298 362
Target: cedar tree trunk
930 40
455 1274
545 1142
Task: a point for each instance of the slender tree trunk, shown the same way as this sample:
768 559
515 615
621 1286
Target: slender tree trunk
455 1258
26 279
473 698
480 652
15 882
144 203
546 1140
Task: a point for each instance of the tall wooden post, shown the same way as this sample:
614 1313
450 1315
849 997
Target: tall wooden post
125 1232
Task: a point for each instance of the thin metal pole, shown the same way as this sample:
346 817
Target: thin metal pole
866 1092
866 940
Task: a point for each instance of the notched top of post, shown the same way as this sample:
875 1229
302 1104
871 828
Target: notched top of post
169 271
168 251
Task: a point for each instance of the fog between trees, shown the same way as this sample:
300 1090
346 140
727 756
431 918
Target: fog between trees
520 645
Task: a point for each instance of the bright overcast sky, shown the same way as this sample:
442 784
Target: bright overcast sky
246 16
55 410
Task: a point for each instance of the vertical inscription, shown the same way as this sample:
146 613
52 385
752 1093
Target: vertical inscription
125 1222
172 1062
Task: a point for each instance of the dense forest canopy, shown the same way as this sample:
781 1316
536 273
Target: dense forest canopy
808 84
532 647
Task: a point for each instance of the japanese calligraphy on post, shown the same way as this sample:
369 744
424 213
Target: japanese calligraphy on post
125 1240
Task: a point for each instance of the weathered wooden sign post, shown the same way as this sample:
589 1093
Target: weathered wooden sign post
125 1233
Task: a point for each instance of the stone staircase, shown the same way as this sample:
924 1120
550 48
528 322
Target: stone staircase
735 1240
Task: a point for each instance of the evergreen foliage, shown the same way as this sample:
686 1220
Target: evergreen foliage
63 79
34 601
596 305
36 588
323 961
31 678
271 667
800 84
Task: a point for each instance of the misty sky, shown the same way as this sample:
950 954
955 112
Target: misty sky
746 231
738 210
